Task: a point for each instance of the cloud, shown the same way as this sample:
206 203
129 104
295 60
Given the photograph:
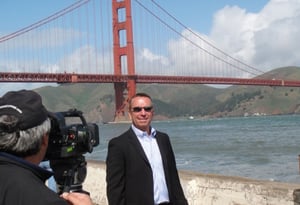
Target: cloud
240 44
5 87
52 51
266 40
192 54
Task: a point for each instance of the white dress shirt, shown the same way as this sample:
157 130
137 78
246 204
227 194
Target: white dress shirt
152 152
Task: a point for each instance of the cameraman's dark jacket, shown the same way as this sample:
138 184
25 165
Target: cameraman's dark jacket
23 183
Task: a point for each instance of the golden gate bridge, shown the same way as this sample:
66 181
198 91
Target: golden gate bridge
121 42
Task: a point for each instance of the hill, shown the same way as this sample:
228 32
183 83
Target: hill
175 101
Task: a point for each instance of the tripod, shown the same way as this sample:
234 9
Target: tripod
69 173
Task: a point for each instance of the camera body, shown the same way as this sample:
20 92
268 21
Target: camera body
68 139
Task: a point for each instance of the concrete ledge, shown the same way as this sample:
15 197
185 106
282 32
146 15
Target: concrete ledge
204 189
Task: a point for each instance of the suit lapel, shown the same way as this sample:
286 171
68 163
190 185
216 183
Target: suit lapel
161 149
137 145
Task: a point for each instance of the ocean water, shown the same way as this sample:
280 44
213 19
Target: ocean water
261 147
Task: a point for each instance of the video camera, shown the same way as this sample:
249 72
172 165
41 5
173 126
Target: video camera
68 140
70 137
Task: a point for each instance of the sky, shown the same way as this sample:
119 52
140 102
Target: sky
264 33
196 14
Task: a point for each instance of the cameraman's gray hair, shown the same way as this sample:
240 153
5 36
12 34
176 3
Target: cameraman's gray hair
22 143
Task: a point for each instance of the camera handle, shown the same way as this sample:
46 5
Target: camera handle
67 187
69 173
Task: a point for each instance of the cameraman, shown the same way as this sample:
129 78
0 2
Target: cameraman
24 129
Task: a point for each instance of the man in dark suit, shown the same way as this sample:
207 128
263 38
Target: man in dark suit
140 165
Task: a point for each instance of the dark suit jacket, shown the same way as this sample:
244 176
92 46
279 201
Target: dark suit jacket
129 174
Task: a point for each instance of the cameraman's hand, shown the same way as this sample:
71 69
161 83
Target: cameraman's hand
75 198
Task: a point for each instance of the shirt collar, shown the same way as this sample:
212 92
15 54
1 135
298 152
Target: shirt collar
141 133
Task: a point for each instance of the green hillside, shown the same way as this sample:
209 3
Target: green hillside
174 101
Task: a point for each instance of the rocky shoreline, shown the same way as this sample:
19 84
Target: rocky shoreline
203 189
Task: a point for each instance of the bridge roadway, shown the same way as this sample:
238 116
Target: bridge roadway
6 77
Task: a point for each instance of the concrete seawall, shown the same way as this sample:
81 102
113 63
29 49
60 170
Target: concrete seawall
209 189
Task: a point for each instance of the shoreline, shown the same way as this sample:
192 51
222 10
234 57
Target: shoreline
203 189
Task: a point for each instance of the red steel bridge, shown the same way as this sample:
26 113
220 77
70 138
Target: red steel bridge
123 42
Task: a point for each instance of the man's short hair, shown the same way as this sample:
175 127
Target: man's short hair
138 95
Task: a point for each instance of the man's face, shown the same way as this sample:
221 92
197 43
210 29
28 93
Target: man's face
141 113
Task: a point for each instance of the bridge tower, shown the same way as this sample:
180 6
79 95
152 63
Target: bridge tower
123 55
